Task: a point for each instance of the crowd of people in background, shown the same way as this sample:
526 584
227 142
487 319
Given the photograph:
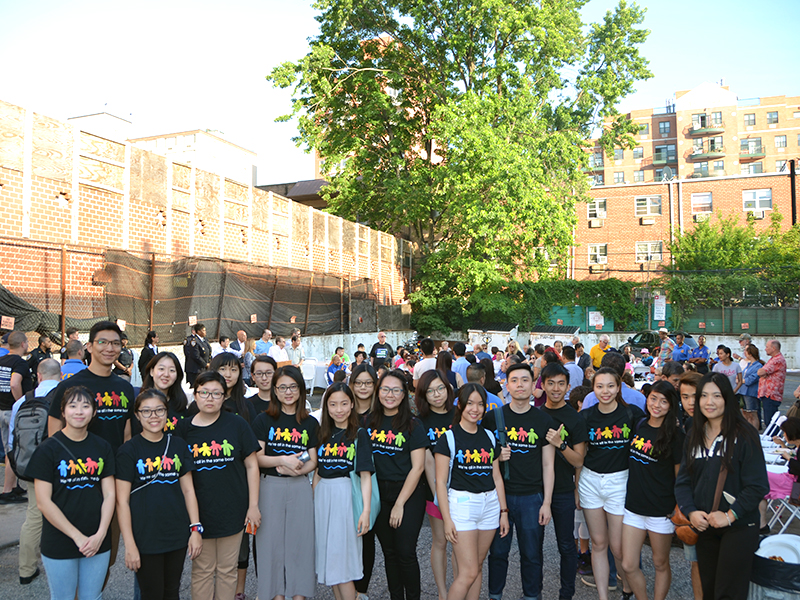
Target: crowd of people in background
222 459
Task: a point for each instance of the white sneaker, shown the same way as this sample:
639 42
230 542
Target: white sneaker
362 597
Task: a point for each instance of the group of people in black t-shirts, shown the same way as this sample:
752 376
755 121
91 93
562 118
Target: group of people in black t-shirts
204 478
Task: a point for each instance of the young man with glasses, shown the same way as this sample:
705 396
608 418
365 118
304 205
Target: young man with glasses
114 397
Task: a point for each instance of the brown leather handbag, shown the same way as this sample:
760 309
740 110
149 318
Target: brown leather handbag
683 526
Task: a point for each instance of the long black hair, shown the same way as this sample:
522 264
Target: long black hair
404 419
327 425
236 393
175 394
464 392
275 406
734 424
421 394
669 426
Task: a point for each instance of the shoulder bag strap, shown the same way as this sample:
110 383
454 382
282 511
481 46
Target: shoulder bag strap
500 423
723 475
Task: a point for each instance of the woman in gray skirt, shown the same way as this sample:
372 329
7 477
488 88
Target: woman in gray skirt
285 541
343 447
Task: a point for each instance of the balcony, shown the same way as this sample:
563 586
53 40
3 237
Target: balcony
752 152
664 158
704 153
699 174
706 127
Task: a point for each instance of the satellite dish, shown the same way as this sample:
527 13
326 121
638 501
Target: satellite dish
666 174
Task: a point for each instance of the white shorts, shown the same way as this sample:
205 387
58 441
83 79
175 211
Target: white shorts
603 490
655 524
470 511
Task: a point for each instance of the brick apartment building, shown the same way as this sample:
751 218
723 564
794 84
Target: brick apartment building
706 152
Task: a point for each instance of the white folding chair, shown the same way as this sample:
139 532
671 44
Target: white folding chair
309 370
784 513
773 428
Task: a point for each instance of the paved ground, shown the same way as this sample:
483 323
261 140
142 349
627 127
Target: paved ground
121 583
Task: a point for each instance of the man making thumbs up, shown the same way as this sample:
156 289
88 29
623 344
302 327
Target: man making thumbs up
570 443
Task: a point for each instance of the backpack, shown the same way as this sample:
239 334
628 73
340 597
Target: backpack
30 430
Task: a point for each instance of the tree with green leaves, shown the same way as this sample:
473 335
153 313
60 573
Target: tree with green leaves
463 126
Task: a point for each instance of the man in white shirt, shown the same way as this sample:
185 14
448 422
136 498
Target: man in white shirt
277 351
225 346
428 363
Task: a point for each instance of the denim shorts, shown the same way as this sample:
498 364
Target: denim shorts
470 511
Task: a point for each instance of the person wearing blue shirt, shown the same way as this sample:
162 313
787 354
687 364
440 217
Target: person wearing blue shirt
461 363
682 352
74 362
264 344
616 361
477 374
699 356
749 389
575 372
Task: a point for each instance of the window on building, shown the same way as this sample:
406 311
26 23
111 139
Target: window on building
663 127
719 165
716 118
598 254
619 177
648 205
697 146
619 154
649 251
596 161
599 179
638 176
644 128
780 165
699 120
757 199
639 152
715 143
597 209
796 114
701 169
753 168
658 175
750 119
701 203
780 141
772 117
666 152
750 146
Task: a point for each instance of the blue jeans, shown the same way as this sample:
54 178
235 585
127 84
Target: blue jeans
86 575
523 515
563 510
770 408
753 403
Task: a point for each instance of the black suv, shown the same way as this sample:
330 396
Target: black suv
650 339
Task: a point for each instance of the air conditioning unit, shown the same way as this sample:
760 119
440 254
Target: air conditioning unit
758 215
597 268
700 217
647 221
595 223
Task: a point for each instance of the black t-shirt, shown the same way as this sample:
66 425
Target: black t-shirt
75 473
220 478
609 437
173 416
436 424
141 462
114 397
258 404
381 353
336 457
285 435
391 450
651 480
574 432
9 364
526 437
230 406
474 460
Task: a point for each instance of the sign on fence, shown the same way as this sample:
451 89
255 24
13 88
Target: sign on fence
745 325
192 320
7 323
253 319
701 325
659 307
121 324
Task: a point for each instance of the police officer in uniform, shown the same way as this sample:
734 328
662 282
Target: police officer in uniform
197 352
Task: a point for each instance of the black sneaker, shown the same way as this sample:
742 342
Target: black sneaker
27 580
12 498
18 491
585 564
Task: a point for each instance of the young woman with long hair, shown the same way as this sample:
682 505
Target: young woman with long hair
164 373
749 389
722 438
227 365
434 399
155 549
288 438
655 455
73 473
364 385
490 384
344 447
444 364
248 356
225 481
398 449
602 481
471 493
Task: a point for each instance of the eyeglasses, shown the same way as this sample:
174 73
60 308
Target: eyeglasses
363 384
205 394
391 391
104 343
287 388
148 412
436 391
263 373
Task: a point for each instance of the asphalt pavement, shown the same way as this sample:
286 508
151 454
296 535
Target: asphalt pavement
120 586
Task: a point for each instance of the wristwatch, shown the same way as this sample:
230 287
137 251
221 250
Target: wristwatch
563 446
197 527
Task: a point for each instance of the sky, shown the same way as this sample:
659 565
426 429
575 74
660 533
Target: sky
176 65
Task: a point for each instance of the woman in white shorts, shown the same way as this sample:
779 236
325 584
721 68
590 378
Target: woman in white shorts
603 479
655 456
470 490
